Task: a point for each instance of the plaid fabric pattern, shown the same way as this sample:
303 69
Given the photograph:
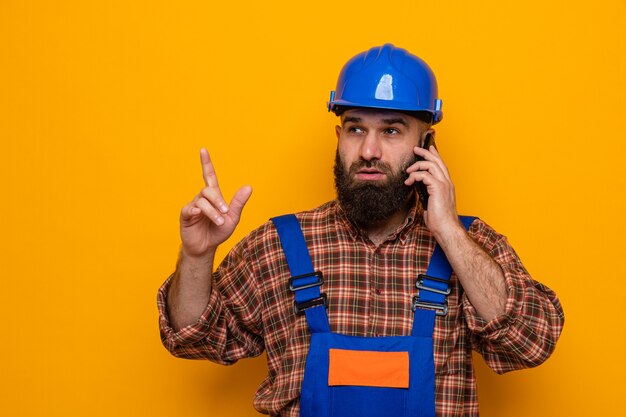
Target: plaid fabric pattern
369 291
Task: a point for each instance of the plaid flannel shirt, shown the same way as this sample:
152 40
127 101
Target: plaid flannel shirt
369 292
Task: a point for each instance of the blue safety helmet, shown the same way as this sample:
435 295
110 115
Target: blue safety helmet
387 77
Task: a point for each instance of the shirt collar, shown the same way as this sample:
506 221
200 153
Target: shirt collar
414 216
346 224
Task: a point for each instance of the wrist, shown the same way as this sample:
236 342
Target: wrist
452 232
205 258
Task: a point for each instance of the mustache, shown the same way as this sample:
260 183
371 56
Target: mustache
374 163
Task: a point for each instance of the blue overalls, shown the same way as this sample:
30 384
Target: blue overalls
353 376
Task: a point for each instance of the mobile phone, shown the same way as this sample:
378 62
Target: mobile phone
422 192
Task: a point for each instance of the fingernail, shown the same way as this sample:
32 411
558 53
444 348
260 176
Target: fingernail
224 208
219 221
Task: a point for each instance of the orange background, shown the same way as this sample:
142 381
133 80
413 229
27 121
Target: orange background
104 105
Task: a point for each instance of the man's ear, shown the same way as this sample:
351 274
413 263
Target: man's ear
429 131
337 131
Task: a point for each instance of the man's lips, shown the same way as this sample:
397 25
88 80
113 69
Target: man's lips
369 174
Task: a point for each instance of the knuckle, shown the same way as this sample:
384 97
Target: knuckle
210 193
203 204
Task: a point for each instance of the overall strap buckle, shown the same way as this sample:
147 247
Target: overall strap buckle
306 281
423 280
300 307
300 282
440 309
434 286
432 295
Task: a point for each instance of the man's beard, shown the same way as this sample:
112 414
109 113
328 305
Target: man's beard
368 203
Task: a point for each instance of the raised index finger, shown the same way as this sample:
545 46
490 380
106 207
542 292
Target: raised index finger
208 172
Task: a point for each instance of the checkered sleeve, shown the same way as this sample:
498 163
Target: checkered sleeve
526 334
229 328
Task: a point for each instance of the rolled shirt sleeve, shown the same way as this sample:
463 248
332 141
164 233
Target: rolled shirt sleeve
228 329
525 335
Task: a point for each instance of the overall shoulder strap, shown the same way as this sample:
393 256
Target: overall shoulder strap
305 282
434 287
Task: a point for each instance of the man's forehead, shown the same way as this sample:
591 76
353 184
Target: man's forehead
382 115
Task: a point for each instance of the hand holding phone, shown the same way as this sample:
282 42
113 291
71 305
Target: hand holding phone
422 192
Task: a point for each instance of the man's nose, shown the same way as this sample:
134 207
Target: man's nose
370 147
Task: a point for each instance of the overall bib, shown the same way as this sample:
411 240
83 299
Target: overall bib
354 376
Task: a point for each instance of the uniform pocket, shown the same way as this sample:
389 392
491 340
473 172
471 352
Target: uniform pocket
368 383
368 368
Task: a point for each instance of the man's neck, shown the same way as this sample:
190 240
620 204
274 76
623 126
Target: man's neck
379 232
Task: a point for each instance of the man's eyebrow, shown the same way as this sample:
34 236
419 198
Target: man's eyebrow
394 121
352 119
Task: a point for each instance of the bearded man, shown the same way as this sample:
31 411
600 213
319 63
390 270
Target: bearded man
409 287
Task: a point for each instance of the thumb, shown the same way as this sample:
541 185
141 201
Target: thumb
239 201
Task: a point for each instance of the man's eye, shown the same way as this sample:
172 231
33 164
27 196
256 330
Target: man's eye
391 131
354 129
